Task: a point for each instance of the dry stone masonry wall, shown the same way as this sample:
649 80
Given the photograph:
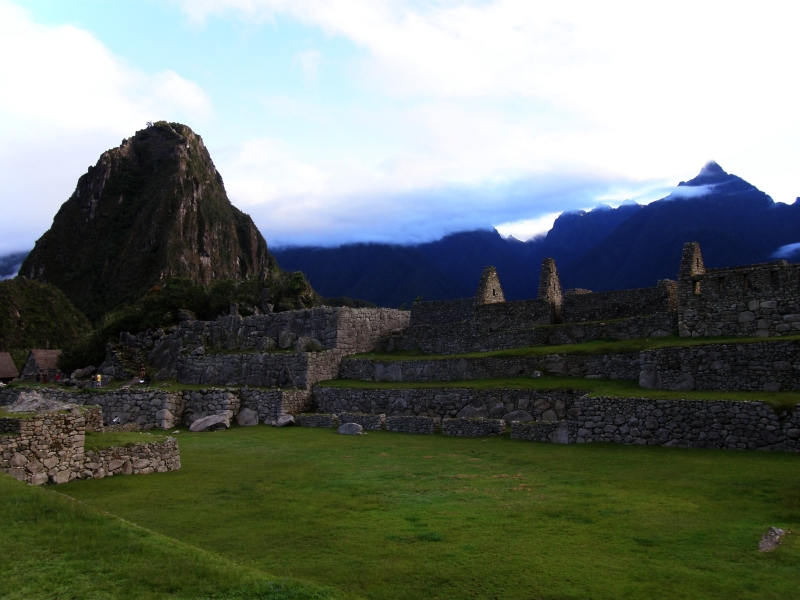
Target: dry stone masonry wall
758 300
137 459
46 448
423 425
473 427
367 421
316 420
268 369
443 402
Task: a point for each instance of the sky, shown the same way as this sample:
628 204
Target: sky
335 121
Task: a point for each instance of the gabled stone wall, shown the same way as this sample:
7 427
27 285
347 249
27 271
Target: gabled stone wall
757 300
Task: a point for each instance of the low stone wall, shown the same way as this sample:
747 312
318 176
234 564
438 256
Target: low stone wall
271 405
94 418
424 425
464 337
46 448
473 427
685 423
155 457
148 408
267 369
613 366
556 432
316 420
203 403
165 410
756 366
370 422
444 402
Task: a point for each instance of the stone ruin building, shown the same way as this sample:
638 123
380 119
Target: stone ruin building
273 364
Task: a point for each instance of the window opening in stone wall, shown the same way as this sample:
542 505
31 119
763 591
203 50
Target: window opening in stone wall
746 282
696 287
721 283
775 278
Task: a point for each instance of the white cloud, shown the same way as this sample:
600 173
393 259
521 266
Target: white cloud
635 89
528 228
788 251
65 99
309 61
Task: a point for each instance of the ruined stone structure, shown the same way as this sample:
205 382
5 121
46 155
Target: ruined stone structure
757 300
49 448
489 290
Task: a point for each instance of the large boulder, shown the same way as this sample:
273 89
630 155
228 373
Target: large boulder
350 429
555 364
517 415
286 339
285 421
211 423
476 410
649 378
247 418
81 373
684 382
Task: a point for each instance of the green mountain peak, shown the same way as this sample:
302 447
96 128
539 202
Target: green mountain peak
152 209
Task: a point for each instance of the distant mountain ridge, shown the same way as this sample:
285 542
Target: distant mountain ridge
602 249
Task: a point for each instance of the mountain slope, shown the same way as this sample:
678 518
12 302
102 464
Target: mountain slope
153 208
734 222
384 274
37 315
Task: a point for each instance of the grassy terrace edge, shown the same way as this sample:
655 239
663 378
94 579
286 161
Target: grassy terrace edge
57 547
621 388
594 347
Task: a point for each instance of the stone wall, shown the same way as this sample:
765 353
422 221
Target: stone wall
404 424
556 432
684 423
316 420
199 404
443 402
137 459
46 448
465 337
346 329
473 427
573 417
620 304
758 300
271 405
754 366
367 421
267 369
440 312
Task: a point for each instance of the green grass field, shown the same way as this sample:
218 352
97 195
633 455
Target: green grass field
407 517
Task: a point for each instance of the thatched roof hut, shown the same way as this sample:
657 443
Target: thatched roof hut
41 361
8 370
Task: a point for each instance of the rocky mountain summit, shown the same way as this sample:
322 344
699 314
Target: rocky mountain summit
152 209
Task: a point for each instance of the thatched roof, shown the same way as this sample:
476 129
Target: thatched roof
7 368
44 360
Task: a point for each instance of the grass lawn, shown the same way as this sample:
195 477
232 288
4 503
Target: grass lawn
622 388
594 347
54 547
93 441
407 517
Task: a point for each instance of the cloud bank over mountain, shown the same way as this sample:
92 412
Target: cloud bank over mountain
357 120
